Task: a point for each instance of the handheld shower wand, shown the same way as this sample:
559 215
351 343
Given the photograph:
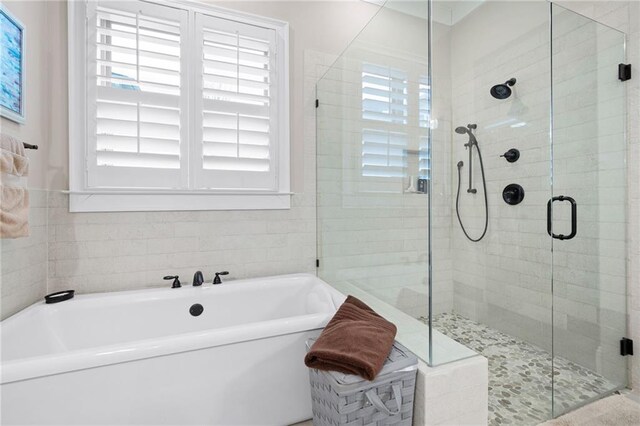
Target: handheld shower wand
472 142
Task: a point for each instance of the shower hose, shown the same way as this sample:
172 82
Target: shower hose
486 203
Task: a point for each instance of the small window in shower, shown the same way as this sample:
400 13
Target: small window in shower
424 162
384 94
424 96
384 154
395 114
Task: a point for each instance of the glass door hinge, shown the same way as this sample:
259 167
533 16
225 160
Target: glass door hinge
626 346
624 72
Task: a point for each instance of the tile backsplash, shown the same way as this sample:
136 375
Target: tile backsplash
93 252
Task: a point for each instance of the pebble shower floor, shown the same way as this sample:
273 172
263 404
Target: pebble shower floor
519 373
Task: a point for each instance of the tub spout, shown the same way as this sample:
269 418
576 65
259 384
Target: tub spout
198 279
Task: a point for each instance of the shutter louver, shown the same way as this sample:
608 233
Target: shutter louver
140 117
385 100
424 162
424 95
383 153
384 94
237 126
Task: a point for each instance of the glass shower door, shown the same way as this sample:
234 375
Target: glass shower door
586 214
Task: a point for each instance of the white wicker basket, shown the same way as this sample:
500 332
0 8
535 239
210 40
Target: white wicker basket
346 400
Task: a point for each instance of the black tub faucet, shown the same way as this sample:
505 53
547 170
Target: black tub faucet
217 279
198 279
176 281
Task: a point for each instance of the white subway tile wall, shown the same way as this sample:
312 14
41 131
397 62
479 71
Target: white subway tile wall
23 261
93 252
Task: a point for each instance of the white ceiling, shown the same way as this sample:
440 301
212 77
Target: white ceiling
447 12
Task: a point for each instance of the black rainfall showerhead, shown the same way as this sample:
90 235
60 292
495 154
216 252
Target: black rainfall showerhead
503 91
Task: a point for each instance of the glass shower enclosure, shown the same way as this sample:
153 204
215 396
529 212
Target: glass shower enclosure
496 115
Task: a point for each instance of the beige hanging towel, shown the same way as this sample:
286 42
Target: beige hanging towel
13 159
14 212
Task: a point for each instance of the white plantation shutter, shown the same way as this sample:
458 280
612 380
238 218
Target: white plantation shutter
424 98
138 108
384 94
383 153
236 125
384 100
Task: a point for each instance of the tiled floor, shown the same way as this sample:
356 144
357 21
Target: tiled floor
616 410
520 374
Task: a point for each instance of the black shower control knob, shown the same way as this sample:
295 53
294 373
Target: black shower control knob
512 155
513 194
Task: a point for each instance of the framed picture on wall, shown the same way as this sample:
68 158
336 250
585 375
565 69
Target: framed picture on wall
12 67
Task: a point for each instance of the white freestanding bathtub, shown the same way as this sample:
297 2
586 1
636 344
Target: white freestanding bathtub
141 357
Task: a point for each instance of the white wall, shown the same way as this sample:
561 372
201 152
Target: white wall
23 261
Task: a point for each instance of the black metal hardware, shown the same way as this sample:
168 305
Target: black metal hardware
513 194
512 155
59 296
29 146
317 263
423 185
176 281
217 279
317 103
574 218
624 72
196 309
626 346
198 279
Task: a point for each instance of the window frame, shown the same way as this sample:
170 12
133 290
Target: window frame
83 198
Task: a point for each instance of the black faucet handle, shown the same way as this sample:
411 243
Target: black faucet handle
217 279
198 279
176 281
512 155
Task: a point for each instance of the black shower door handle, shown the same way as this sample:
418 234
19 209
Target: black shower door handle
574 218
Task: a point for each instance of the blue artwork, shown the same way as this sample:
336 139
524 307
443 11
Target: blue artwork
11 65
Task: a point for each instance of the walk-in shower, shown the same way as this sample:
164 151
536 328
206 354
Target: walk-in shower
547 313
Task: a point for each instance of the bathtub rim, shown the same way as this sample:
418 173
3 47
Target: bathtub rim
80 359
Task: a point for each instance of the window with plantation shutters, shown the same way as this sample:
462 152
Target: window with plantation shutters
177 101
137 90
238 95
384 101
383 153
395 111
384 94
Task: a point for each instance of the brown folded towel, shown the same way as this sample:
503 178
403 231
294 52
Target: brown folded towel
356 341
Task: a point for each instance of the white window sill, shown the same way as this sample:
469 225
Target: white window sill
145 201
